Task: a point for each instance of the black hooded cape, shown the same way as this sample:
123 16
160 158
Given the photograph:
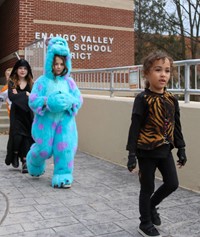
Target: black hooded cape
21 118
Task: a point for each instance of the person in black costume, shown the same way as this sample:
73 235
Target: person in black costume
21 116
154 131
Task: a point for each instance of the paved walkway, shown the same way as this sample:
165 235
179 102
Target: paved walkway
103 202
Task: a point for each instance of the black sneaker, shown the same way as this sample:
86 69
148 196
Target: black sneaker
148 231
155 217
24 168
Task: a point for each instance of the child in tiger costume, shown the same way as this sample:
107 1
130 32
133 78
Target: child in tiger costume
155 130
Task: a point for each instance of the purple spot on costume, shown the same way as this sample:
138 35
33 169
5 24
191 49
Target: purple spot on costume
56 160
41 126
71 164
43 154
61 146
33 97
40 87
39 140
50 141
59 129
72 84
54 125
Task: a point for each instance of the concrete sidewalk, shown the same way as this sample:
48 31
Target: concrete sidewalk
103 201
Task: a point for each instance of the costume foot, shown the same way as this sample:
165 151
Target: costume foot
35 170
62 180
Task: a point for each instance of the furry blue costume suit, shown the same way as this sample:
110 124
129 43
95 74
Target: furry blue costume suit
55 100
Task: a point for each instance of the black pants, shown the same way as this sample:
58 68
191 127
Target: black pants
21 145
148 198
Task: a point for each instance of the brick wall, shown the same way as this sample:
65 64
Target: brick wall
9 31
59 11
9 27
101 36
26 26
121 51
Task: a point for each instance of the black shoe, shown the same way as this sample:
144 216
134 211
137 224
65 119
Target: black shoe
155 217
148 231
7 160
15 162
24 168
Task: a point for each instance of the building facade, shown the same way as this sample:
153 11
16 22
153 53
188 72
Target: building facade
99 33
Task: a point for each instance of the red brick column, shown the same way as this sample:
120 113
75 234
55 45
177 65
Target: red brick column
26 26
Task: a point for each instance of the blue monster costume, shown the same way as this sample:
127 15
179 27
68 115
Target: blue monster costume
55 101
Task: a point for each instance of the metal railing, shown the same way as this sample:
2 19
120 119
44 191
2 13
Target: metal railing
185 79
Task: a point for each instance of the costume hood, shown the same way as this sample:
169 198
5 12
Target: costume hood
21 63
57 46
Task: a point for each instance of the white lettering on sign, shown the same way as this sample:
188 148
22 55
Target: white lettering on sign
90 47
84 50
67 37
98 40
76 55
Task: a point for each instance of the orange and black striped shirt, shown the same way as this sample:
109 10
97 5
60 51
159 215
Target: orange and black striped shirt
155 122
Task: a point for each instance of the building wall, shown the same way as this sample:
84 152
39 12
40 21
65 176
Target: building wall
99 33
9 31
104 133
26 22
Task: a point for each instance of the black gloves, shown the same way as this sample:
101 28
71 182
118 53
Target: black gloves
132 162
182 159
